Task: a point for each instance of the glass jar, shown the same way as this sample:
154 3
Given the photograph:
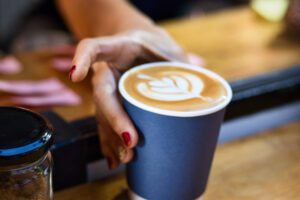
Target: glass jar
25 159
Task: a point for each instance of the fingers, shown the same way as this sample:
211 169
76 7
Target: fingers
85 54
111 145
164 48
89 51
105 93
106 149
123 50
125 154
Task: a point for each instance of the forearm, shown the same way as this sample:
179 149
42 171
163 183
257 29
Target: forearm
92 18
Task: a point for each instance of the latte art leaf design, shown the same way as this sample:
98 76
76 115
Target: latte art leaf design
171 87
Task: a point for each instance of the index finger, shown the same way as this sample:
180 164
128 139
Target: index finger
89 51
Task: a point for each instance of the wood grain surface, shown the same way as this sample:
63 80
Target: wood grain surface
234 43
265 166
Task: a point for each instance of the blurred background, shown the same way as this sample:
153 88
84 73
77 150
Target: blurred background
31 24
40 23
255 45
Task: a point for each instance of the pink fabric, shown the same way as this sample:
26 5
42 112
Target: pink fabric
32 87
10 65
63 97
62 64
40 93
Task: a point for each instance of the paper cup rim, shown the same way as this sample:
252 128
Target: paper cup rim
160 111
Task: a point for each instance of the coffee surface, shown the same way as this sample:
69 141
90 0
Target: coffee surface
174 88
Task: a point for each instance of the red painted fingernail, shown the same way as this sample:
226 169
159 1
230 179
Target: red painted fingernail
71 72
127 139
109 162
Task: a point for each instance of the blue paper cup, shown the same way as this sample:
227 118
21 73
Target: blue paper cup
175 149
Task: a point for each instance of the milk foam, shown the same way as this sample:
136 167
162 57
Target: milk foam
171 87
175 89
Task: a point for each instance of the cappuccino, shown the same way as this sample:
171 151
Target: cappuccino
177 109
174 88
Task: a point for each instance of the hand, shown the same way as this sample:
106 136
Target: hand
109 57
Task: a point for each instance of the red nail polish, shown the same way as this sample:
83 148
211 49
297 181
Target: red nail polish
127 139
109 162
71 71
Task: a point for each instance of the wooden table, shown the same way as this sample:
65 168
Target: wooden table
234 43
265 166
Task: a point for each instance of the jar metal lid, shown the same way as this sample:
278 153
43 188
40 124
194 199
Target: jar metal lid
25 136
